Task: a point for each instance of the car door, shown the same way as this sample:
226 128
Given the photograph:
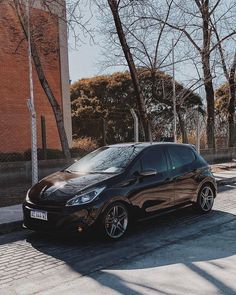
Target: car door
155 192
182 160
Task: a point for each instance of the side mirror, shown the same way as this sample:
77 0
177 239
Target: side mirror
150 172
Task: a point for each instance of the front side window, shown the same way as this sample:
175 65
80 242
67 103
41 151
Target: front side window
106 160
181 156
154 158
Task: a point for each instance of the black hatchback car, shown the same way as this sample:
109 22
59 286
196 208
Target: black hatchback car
117 184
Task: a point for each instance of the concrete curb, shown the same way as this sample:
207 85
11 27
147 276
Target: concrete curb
9 227
17 225
222 182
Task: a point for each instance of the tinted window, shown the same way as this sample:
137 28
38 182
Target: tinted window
136 168
106 159
154 159
181 156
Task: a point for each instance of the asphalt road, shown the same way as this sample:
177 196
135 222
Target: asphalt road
179 253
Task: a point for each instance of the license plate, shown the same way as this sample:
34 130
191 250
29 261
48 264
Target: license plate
42 215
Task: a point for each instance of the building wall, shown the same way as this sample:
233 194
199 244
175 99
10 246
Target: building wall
14 82
66 103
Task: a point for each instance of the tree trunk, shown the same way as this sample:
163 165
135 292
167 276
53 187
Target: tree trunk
231 106
45 85
210 109
133 71
54 104
209 89
182 128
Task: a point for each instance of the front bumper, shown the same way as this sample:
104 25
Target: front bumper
60 219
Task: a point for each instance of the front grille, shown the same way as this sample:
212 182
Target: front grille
58 219
48 208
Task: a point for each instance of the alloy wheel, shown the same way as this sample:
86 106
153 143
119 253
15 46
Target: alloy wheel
206 199
116 221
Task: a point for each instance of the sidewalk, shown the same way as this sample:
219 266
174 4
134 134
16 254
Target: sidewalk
11 216
224 173
226 177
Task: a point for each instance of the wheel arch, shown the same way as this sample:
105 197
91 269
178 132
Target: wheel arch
209 181
118 199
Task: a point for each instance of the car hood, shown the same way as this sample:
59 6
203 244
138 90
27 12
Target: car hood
61 186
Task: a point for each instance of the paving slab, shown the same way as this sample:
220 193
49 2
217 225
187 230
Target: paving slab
180 253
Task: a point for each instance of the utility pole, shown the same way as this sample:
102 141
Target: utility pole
30 103
174 93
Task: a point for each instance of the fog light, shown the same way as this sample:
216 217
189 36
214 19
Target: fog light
80 229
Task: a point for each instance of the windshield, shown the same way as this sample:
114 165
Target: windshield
106 160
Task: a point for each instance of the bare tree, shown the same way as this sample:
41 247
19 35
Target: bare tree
73 10
21 14
229 73
194 22
141 43
150 43
114 7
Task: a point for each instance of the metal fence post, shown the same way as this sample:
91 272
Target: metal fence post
136 131
44 138
30 103
104 138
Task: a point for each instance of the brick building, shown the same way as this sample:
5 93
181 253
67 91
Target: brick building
50 35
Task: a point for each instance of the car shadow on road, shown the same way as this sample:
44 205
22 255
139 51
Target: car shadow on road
184 238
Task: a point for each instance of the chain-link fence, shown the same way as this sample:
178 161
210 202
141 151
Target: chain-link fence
89 133
96 130
15 153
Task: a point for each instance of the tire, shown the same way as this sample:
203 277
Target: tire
205 200
115 221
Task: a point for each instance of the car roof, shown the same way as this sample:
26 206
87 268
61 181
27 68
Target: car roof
147 144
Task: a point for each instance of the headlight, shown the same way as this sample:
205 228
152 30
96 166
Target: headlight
27 196
85 197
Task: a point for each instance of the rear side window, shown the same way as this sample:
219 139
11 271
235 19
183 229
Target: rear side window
181 156
154 158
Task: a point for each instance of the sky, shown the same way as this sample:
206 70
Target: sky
82 61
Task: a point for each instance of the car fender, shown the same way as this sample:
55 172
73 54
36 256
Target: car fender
114 199
205 180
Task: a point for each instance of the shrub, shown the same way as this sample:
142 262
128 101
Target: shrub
51 154
83 146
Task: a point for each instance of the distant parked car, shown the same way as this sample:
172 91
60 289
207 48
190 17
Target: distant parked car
117 184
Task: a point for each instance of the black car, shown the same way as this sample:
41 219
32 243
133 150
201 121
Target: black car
117 184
